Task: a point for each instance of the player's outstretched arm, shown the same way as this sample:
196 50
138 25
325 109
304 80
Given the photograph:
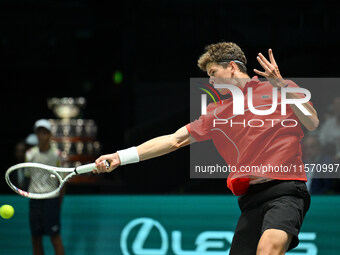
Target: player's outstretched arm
153 148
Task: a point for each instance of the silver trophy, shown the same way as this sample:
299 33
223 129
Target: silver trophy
66 107
73 136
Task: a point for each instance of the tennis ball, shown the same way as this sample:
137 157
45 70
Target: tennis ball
6 211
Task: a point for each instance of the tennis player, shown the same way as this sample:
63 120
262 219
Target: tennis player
273 205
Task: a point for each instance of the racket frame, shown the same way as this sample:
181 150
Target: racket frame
51 169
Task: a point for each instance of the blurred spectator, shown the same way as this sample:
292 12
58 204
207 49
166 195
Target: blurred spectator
31 140
19 152
44 213
329 133
22 146
312 154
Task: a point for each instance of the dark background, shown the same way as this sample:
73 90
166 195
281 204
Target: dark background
72 48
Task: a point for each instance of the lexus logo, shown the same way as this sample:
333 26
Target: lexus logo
205 241
138 232
146 226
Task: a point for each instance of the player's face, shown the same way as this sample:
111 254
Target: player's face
219 74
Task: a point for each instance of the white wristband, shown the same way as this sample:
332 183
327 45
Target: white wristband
128 156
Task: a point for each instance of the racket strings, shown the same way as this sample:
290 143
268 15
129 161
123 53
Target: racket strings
34 180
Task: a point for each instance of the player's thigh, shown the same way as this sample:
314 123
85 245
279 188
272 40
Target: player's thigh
274 242
247 233
285 213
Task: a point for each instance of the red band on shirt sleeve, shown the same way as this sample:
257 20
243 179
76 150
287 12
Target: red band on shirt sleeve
188 127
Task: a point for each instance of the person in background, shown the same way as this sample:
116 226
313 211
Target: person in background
19 157
19 152
31 140
312 156
329 133
44 214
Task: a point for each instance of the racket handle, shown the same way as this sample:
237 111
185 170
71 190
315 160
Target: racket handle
88 168
85 168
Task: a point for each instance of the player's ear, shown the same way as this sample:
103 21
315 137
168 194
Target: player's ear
234 66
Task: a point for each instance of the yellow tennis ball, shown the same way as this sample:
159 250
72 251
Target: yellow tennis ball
6 211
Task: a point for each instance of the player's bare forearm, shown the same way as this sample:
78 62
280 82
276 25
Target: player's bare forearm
164 144
311 122
153 148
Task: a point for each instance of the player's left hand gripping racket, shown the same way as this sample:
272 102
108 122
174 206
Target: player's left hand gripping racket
38 181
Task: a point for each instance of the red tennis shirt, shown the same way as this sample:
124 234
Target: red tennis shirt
254 145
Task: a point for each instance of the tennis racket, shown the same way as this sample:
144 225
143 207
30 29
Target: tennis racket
38 181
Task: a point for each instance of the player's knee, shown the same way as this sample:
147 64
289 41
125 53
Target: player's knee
270 248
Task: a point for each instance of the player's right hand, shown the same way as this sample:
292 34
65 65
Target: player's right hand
101 167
